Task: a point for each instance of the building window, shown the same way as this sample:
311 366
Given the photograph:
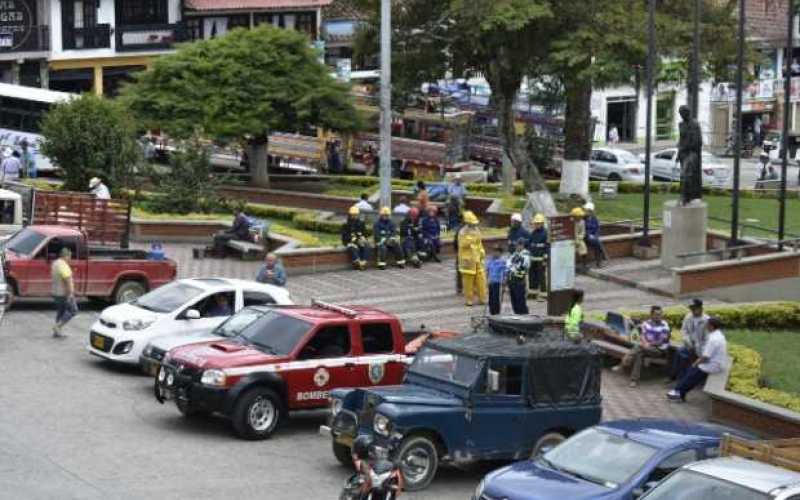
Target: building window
194 29
239 21
307 23
137 12
260 19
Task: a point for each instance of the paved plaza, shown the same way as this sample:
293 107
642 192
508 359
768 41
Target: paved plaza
73 427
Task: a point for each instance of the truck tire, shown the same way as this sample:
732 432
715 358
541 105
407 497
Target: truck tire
547 442
343 454
257 414
129 290
419 460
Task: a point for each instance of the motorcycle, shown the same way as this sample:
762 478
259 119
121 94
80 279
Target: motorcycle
377 475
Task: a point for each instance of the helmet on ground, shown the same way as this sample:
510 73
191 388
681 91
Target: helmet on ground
470 218
413 212
361 446
516 217
385 211
538 219
577 212
353 210
589 206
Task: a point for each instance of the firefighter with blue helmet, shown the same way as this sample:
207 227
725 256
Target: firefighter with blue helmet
411 234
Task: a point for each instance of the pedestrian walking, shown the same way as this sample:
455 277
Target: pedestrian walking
27 160
272 272
518 267
653 343
11 167
693 331
538 247
713 359
613 135
496 275
471 256
354 238
63 290
572 323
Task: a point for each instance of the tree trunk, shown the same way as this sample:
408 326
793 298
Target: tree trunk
259 169
577 141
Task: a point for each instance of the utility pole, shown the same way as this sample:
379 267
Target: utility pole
385 172
737 159
787 91
648 140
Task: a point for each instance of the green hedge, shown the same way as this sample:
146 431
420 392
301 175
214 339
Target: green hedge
745 379
302 219
755 316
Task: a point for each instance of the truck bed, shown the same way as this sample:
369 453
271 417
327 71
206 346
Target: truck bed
111 253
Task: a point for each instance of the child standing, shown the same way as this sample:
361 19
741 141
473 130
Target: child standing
496 271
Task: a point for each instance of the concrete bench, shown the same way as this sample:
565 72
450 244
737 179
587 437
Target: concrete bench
247 249
619 351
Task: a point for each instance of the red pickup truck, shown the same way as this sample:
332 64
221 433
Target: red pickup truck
115 274
288 359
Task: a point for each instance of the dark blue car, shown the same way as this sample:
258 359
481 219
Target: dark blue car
617 460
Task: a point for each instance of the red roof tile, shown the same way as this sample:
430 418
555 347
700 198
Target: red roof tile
210 5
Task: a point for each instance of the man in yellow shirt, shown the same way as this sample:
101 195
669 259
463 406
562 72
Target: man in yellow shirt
471 257
63 290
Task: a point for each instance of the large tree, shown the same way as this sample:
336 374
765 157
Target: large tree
240 88
91 137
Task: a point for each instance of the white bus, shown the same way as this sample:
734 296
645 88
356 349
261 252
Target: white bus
21 112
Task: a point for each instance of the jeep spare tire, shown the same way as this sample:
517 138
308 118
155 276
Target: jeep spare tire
419 460
257 414
343 454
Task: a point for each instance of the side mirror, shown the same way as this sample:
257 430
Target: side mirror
644 489
493 381
192 314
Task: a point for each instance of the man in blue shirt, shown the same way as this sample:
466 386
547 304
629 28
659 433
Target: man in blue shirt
240 230
272 272
457 190
496 274
593 242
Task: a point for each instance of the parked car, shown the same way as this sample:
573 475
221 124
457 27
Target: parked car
615 165
4 296
10 213
645 451
476 397
115 274
728 478
665 167
289 359
183 307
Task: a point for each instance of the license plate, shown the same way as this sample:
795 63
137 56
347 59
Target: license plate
98 342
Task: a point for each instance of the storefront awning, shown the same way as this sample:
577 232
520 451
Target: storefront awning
224 5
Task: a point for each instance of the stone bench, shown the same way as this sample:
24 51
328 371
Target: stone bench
619 351
247 249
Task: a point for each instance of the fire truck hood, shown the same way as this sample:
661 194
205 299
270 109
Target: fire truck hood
222 354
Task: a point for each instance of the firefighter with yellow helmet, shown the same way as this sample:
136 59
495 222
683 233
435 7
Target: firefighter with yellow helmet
386 239
581 250
354 238
471 257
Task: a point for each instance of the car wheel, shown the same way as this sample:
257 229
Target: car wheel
419 460
257 414
128 291
614 177
547 442
343 454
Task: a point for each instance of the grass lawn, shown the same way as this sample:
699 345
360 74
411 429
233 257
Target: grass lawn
779 350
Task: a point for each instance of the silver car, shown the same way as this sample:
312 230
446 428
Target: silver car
615 165
666 167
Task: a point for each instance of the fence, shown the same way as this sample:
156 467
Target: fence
105 222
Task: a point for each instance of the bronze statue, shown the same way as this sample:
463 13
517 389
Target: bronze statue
690 147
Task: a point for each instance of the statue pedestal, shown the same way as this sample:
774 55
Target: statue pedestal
685 228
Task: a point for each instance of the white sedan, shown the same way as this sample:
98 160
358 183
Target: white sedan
665 166
183 307
615 165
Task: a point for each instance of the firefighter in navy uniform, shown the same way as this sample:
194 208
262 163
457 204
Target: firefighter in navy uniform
538 247
516 232
518 266
411 234
354 237
385 234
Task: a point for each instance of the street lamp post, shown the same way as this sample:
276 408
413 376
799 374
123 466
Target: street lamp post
694 88
648 140
738 153
385 171
787 91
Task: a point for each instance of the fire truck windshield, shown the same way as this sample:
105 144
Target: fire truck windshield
276 332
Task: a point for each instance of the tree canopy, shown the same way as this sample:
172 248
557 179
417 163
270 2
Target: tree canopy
242 87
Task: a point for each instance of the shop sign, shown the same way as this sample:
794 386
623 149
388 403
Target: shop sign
16 23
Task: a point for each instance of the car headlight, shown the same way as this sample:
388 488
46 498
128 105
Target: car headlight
479 489
136 324
382 425
336 406
214 378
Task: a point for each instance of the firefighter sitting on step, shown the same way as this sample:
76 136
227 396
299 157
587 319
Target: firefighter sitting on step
471 260
518 266
411 234
431 233
354 237
385 234
538 247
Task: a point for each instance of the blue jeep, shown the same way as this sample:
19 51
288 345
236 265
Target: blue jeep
478 397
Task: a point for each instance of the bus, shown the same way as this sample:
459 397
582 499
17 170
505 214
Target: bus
21 112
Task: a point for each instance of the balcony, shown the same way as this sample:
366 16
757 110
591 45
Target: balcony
37 39
94 37
149 37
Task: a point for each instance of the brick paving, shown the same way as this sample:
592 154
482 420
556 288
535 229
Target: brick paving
427 296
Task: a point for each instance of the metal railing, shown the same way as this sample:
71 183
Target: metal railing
149 37
738 252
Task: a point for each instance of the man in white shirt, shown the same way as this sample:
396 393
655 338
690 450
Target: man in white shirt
713 359
98 189
693 330
11 167
402 208
364 205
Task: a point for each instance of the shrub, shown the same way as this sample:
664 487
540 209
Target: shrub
189 185
745 375
755 316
